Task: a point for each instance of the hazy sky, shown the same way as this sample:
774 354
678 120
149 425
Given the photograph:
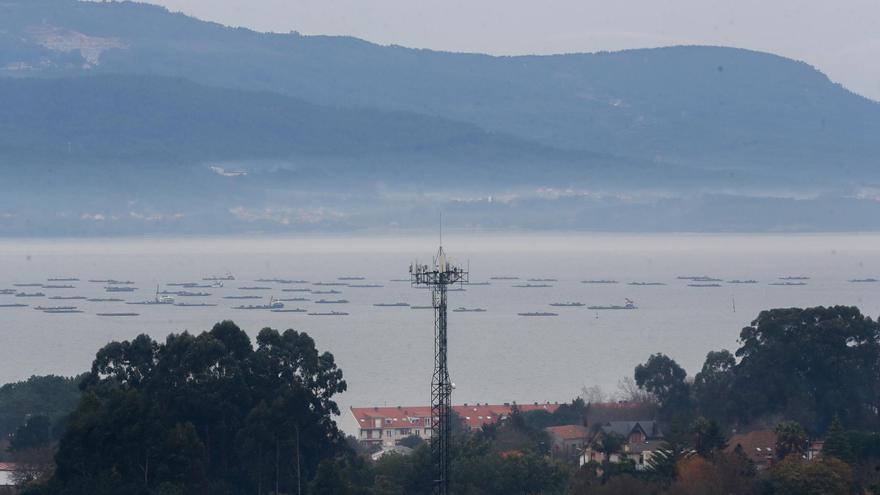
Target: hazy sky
840 37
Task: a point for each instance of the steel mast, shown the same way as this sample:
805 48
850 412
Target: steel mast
438 278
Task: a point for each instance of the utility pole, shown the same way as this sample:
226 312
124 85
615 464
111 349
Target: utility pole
438 278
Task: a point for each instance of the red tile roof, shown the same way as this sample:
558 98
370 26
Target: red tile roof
474 415
569 432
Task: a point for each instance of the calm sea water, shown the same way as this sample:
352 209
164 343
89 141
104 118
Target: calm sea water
386 353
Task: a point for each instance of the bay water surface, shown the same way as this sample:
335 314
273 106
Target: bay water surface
386 353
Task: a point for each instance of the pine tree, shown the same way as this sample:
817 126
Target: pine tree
836 443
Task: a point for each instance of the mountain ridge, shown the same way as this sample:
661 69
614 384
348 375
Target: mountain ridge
694 105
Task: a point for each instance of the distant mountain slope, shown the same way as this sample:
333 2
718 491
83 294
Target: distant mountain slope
701 106
156 118
81 122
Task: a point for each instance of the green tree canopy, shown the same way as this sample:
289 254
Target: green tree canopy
791 438
36 433
795 476
809 365
712 386
837 443
203 413
665 379
52 396
707 437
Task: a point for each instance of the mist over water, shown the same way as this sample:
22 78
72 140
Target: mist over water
386 352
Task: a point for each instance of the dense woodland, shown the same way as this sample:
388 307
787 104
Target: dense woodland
216 413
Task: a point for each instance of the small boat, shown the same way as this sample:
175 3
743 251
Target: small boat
794 278
477 283
330 284
216 278
298 289
331 301
113 288
8 292
119 282
71 279
273 280
747 281
504 278
863 281
531 286
104 299
294 299
542 280
598 281
30 294
185 293
294 310
59 287
538 313
392 305
329 313
182 284
255 287
331 291
62 311
27 285
159 299
351 278
47 308
13 305
568 304
704 285
788 284
194 305
629 305
242 297
421 307
462 309
645 283
365 286
71 298
117 314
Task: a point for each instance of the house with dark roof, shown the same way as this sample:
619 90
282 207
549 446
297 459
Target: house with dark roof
568 441
759 446
640 439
